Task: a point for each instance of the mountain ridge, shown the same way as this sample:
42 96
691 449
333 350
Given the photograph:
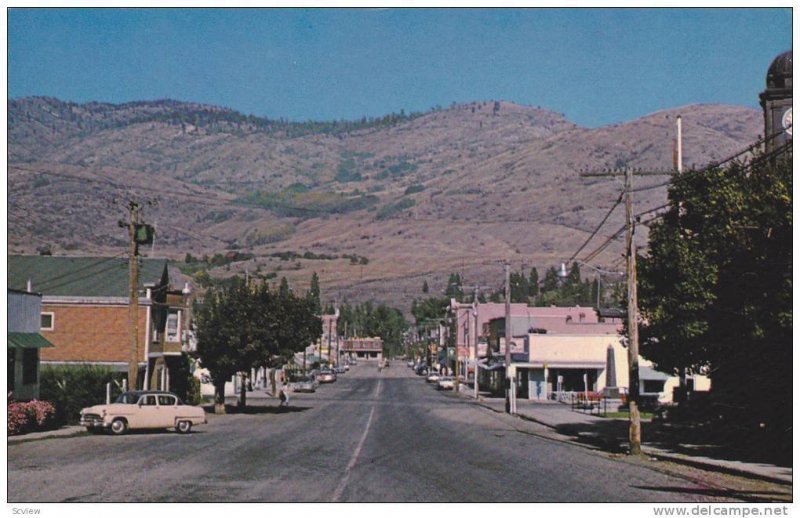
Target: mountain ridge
445 190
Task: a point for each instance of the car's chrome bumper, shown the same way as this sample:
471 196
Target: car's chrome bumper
93 421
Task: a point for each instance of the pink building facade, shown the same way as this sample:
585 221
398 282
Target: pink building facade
472 322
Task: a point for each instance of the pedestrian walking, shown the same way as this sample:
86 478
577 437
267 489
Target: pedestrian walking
284 395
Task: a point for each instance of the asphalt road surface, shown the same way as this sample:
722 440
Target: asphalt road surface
369 437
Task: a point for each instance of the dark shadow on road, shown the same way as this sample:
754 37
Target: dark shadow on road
746 496
612 435
254 410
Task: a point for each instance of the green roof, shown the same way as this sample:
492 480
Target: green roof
81 276
27 341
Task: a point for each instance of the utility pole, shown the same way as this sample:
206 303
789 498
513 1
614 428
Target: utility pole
679 146
330 322
635 430
475 316
508 336
133 288
458 362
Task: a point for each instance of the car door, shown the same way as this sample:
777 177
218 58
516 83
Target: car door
147 415
167 410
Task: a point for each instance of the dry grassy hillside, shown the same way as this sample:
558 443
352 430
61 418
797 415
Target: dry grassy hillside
419 195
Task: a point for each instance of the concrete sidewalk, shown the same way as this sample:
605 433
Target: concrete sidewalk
583 428
64 431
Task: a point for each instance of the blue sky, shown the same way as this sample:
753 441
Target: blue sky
597 66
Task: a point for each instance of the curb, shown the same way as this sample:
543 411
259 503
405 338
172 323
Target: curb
728 470
61 433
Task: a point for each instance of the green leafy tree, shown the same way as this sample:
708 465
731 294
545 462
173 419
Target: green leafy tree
716 292
519 287
216 321
550 279
241 327
454 288
533 283
314 293
283 289
382 321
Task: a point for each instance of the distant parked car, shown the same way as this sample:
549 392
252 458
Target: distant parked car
143 409
326 376
411 364
340 369
433 377
421 369
303 385
445 383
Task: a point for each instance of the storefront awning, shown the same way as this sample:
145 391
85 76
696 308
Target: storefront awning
650 374
27 341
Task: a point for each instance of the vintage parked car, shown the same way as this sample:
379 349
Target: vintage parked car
340 369
433 377
445 383
303 385
142 409
326 376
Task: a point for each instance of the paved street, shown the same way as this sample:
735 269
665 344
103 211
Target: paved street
369 437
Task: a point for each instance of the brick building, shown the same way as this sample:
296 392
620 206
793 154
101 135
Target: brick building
363 348
85 305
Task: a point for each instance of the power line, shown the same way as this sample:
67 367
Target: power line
596 230
597 251
713 164
757 161
614 236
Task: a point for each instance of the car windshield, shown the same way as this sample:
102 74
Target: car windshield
127 398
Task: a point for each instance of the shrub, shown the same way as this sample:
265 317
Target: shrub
31 416
415 188
183 383
73 387
388 211
272 234
194 395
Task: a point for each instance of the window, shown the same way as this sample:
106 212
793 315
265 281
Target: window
165 400
172 327
148 400
48 321
653 386
30 363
